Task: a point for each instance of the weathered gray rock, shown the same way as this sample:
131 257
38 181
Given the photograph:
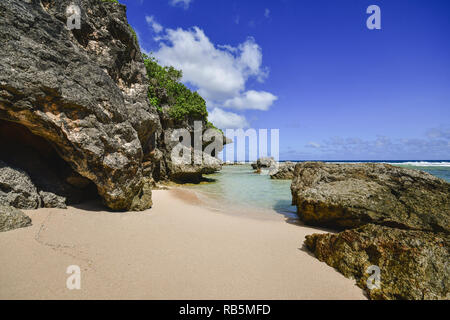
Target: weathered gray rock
402 217
413 264
285 171
165 168
181 171
12 218
51 200
84 91
266 165
265 162
143 200
351 195
17 189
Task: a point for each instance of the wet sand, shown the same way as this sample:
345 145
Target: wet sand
176 250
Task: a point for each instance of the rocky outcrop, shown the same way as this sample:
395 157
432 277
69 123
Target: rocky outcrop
276 170
51 200
12 218
17 189
79 100
401 218
265 164
143 200
164 167
83 91
182 172
285 171
31 169
351 195
413 264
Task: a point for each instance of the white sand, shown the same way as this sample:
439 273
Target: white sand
176 250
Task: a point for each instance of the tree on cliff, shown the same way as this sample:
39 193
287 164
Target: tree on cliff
165 88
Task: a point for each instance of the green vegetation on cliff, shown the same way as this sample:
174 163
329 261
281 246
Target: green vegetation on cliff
165 88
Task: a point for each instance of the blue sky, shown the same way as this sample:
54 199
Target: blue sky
311 68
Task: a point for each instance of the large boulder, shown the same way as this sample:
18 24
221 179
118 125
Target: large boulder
265 162
83 91
285 171
12 218
266 165
190 172
401 218
413 264
17 189
351 195
51 200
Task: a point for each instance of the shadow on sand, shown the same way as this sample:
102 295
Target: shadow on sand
289 211
93 206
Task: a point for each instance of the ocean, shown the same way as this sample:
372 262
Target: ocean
238 187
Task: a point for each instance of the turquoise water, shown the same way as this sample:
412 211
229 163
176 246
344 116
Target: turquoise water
237 186
438 169
240 187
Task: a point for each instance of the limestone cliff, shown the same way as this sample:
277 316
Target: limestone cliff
77 100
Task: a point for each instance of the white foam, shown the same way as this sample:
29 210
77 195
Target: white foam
423 164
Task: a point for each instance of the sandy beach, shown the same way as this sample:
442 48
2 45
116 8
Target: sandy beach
176 250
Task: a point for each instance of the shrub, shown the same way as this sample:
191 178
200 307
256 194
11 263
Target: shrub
165 88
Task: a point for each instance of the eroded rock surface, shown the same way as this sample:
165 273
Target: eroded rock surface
401 218
413 264
285 171
165 167
12 218
265 165
17 189
84 91
351 195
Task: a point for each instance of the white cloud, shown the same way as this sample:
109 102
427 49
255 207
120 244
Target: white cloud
436 133
313 145
219 72
431 147
157 28
251 60
184 3
256 100
228 67
267 13
227 120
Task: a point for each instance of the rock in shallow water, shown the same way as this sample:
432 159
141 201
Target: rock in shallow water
12 218
284 171
413 264
265 163
276 170
351 195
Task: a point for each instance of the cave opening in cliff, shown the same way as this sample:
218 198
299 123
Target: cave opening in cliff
21 149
